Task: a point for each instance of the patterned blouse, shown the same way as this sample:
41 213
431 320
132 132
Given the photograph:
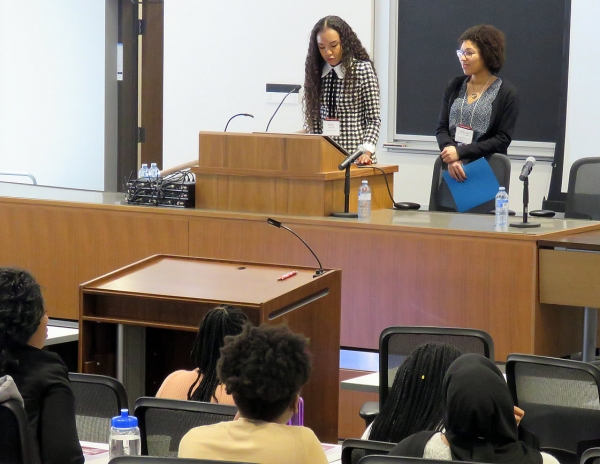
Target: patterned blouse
357 109
476 114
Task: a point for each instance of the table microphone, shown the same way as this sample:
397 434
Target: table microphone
295 89
529 162
235 116
275 223
352 158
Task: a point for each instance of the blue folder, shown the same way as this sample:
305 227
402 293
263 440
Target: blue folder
481 185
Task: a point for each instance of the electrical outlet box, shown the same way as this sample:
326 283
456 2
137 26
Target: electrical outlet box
276 92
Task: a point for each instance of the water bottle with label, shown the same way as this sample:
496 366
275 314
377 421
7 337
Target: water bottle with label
143 173
153 172
364 201
124 439
502 208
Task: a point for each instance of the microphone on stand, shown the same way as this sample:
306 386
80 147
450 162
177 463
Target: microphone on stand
235 116
275 223
295 89
352 158
529 162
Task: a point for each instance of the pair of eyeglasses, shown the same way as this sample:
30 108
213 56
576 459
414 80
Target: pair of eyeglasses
467 54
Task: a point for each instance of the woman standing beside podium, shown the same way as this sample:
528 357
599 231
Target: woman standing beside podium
341 91
480 109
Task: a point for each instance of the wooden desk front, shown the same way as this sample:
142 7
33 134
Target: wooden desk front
399 268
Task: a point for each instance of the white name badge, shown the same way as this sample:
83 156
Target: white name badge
463 135
331 127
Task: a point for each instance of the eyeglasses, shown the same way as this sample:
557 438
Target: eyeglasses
467 54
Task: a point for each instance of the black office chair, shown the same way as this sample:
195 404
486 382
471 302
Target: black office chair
354 450
396 343
441 198
164 422
16 446
561 400
583 194
166 460
98 398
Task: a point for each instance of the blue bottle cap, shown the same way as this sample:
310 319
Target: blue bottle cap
124 421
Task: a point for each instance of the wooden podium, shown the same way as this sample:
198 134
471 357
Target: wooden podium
163 298
294 174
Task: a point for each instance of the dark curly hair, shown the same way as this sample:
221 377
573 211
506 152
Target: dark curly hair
415 401
218 323
21 310
264 369
490 42
352 49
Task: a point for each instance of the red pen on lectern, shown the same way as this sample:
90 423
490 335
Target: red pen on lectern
288 275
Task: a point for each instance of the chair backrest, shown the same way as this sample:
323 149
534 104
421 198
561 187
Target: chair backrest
396 343
98 399
166 460
16 445
353 450
591 456
561 400
441 199
583 194
164 422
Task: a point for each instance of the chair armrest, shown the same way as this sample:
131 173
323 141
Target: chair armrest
369 411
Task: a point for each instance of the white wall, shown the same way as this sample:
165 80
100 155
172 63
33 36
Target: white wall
52 98
583 107
219 54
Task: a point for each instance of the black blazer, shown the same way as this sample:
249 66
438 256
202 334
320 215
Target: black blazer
505 110
43 381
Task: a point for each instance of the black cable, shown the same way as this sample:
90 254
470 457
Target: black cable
235 116
400 205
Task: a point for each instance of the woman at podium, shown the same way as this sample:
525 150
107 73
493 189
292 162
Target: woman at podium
480 110
341 91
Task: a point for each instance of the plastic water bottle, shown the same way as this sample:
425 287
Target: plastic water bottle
143 173
364 201
502 208
153 172
124 439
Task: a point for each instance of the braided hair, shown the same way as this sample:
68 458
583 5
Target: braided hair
352 49
217 324
21 311
414 403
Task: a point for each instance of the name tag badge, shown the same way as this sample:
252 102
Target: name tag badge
464 134
331 127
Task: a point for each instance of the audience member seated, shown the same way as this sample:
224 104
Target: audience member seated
264 369
202 384
41 376
414 402
480 420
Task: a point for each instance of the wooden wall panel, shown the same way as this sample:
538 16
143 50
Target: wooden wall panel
64 247
400 278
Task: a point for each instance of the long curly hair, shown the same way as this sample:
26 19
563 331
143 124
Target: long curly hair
352 49
264 369
218 323
21 310
415 401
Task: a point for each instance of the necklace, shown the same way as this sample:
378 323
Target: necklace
475 95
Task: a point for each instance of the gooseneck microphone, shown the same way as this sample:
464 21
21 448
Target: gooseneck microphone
352 158
295 89
275 223
529 162
235 116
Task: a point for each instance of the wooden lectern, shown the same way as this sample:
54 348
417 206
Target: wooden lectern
293 174
175 292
